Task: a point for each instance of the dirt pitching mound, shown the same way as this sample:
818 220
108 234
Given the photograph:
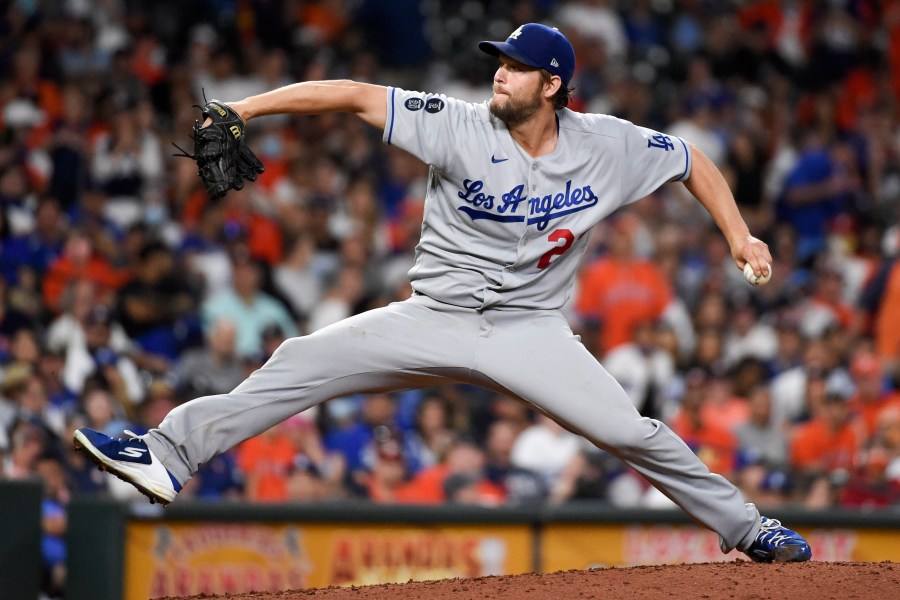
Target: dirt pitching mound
737 580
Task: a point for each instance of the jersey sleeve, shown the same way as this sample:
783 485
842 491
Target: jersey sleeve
651 159
425 125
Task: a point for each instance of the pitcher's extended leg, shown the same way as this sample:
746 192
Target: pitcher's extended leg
538 359
404 345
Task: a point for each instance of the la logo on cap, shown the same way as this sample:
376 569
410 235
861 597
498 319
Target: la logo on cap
515 34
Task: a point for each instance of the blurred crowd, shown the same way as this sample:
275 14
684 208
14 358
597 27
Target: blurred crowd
124 291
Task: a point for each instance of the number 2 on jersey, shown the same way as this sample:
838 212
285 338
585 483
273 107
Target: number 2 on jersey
556 236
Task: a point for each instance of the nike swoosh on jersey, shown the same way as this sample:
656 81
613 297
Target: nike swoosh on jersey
497 160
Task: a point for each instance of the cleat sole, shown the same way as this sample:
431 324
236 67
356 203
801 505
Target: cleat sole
792 553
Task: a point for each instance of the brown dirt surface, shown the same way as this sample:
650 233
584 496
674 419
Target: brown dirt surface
737 580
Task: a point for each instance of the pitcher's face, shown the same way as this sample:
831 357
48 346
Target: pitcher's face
518 91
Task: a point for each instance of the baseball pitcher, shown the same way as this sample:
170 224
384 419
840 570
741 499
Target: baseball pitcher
515 185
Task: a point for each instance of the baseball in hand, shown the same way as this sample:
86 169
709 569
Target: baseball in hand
752 279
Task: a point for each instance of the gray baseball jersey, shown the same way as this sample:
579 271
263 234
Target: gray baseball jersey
504 229
501 240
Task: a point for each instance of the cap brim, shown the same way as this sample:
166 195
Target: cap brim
498 48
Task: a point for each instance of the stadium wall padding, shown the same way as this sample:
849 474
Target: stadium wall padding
121 551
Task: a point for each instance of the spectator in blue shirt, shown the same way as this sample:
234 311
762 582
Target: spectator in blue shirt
248 307
822 183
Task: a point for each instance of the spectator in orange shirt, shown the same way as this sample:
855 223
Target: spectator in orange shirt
326 20
266 461
871 396
620 290
829 442
79 262
464 458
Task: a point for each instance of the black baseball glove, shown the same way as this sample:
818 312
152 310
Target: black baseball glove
223 158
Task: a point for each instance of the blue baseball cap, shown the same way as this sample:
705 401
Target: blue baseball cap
537 46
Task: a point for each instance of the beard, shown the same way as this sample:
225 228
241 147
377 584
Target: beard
517 110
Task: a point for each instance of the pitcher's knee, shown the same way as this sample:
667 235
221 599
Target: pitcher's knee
290 346
300 348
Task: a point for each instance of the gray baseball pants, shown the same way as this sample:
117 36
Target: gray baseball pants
531 355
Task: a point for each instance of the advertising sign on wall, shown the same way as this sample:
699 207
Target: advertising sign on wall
581 546
175 559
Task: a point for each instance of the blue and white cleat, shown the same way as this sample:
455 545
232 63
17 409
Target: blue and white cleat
776 543
130 460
